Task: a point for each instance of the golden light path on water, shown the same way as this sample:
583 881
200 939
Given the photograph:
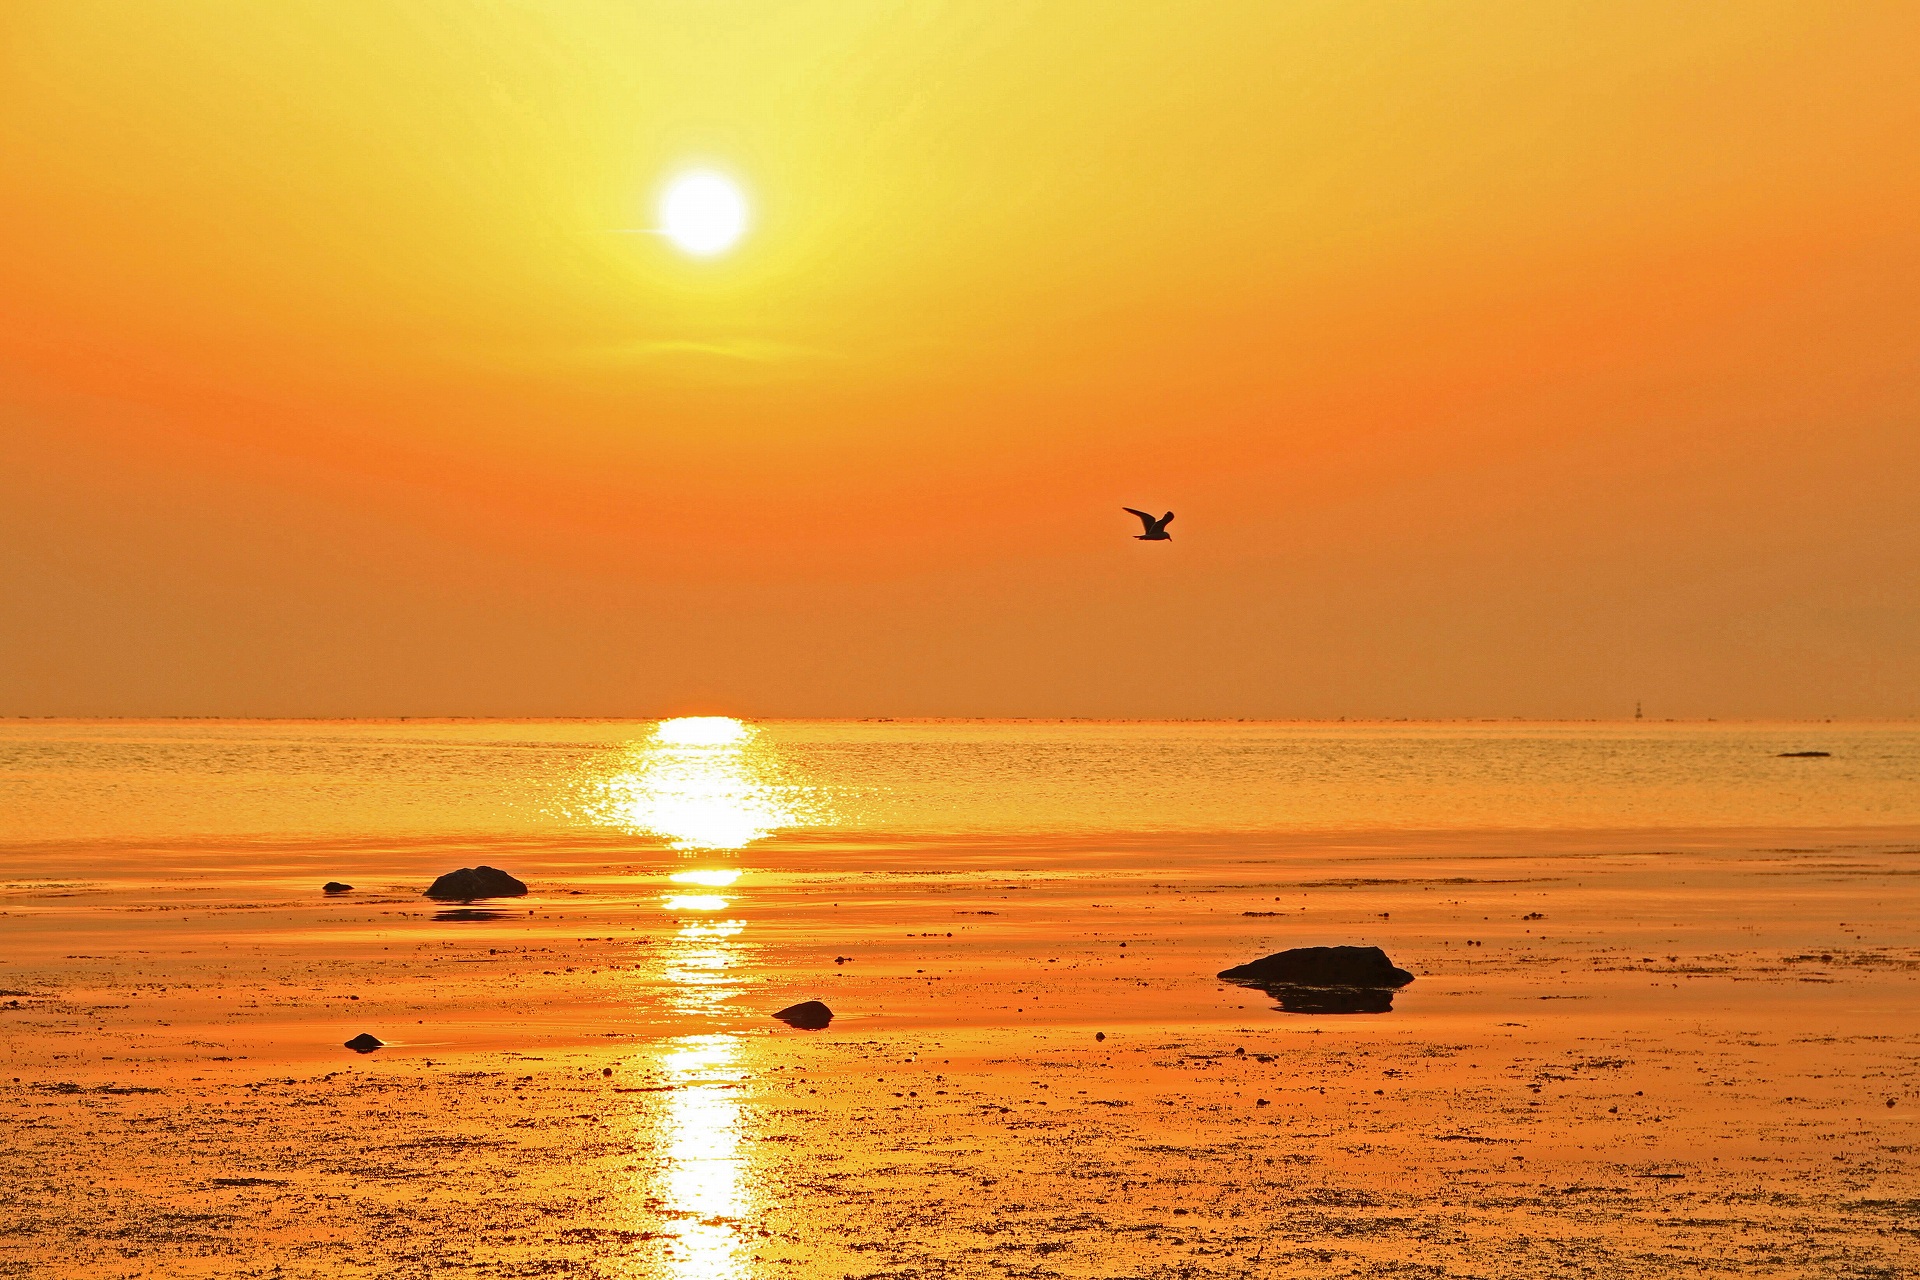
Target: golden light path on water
703 784
717 879
700 1182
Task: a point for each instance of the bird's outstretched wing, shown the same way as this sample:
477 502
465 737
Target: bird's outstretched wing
1145 519
1165 520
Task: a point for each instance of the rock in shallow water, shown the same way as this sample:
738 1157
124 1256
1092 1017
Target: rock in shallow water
808 1016
469 883
1321 967
364 1043
1324 979
334 886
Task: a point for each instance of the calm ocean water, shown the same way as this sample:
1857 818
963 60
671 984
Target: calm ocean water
717 783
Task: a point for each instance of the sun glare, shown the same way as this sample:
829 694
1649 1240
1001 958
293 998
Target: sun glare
695 902
703 213
700 731
702 782
706 879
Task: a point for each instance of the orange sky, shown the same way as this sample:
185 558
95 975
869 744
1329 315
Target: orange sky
1499 359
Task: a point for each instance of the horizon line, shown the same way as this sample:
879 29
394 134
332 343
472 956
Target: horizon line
975 719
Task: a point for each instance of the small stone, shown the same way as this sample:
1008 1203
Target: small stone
809 1015
1099 1035
334 886
364 1043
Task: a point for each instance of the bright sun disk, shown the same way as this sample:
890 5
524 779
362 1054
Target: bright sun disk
703 213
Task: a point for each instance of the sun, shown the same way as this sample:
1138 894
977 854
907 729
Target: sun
703 213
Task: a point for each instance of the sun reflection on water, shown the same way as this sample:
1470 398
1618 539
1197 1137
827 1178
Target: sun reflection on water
695 902
702 782
699 966
708 879
702 1185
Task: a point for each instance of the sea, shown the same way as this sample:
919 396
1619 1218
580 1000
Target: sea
710 782
1661 1016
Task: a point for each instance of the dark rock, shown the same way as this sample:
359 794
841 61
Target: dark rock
364 1043
1322 967
808 1016
469 883
1324 979
1805 755
334 886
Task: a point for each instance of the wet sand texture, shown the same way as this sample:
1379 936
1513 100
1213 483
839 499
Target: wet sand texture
1673 1055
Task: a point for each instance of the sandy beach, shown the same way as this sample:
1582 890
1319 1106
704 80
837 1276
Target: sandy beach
1664 1053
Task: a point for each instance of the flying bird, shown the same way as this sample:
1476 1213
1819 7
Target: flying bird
1156 529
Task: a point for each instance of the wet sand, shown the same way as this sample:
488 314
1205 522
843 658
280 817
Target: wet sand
1656 1053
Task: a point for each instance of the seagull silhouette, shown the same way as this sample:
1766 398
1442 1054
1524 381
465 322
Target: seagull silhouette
1156 529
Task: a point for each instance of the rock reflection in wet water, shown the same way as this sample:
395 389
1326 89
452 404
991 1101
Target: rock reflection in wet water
1296 999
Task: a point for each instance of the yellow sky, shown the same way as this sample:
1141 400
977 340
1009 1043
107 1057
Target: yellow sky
1497 358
